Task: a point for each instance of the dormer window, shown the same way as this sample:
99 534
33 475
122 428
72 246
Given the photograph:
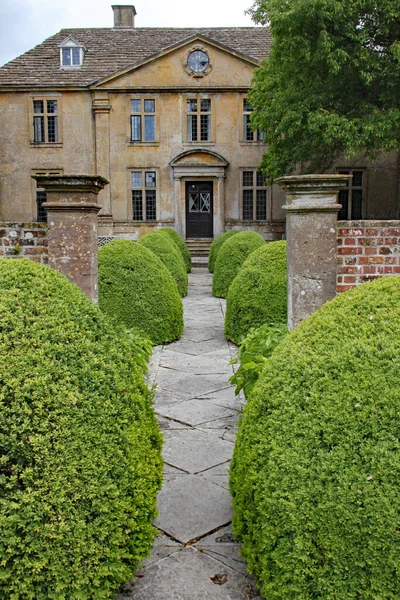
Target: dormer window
71 53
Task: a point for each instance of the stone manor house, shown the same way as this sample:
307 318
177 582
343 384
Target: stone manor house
163 115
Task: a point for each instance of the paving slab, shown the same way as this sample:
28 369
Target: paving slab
225 397
195 451
218 475
194 412
194 385
190 507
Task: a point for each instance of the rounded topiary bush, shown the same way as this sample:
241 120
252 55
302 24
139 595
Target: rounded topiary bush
80 448
216 245
316 467
163 247
257 295
231 257
180 243
138 291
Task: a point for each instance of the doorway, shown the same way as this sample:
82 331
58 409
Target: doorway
199 209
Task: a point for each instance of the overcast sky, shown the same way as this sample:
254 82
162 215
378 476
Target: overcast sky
26 23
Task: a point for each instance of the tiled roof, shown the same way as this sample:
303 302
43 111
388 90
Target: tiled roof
109 50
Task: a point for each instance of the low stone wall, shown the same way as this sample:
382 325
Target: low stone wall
24 239
271 232
367 250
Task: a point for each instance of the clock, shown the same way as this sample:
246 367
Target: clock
198 61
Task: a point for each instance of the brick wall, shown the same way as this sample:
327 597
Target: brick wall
24 239
367 250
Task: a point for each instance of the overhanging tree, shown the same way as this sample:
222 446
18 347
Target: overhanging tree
331 84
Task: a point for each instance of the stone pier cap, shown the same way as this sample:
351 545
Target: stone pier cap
78 189
316 193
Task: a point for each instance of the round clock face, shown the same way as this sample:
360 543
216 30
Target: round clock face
198 61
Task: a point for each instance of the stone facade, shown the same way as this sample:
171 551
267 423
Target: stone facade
164 119
27 240
367 250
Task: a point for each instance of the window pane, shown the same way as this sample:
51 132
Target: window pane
52 129
136 106
205 105
248 132
248 205
192 128
247 106
356 204
247 178
191 105
260 135
66 56
137 179
150 205
150 179
357 178
345 173
261 205
205 128
136 128
260 179
52 106
344 201
38 127
76 56
41 215
38 106
137 208
149 128
149 106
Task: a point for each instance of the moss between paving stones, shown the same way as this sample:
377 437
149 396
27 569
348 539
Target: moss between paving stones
316 468
163 247
257 295
180 243
80 446
216 245
137 289
231 257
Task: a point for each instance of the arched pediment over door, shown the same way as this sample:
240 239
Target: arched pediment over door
206 170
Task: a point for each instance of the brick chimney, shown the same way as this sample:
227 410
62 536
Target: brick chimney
124 16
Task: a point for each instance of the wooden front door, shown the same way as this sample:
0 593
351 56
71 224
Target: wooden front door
199 209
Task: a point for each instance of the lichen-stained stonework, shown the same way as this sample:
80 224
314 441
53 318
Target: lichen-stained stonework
152 110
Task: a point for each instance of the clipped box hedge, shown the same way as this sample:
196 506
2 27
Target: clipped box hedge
180 244
137 290
316 467
231 257
80 462
163 247
257 295
216 245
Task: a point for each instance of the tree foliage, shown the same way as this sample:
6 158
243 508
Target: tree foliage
331 84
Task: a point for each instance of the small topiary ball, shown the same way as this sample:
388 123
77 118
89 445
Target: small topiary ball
257 295
231 257
180 243
216 245
316 468
80 462
163 247
138 291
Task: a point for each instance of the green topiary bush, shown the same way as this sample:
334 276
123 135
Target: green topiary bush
316 468
180 243
216 245
138 291
163 247
231 257
80 462
257 295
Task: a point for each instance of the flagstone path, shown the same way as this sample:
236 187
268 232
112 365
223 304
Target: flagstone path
198 413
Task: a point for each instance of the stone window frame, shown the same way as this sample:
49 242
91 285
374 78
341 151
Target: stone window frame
143 98
46 115
198 113
38 194
143 189
256 198
257 136
351 191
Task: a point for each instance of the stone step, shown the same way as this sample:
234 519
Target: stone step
199 246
